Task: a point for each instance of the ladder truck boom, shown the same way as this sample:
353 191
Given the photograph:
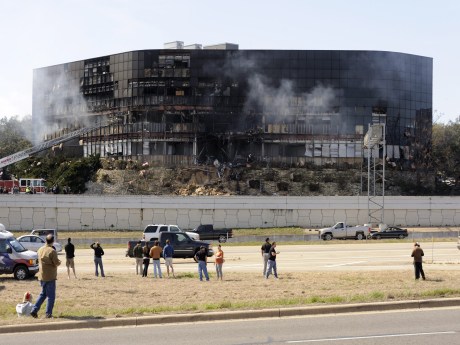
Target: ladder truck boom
21 155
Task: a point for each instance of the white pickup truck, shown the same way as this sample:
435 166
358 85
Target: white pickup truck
152 232
342 230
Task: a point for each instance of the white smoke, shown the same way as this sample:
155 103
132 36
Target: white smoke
58 102
284 100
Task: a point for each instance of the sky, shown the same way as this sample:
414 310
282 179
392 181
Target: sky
42 33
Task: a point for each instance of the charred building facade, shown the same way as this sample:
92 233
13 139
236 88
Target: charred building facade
188 104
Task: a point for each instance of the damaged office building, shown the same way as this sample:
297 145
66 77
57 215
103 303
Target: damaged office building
194 104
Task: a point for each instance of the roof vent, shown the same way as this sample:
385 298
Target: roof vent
174 45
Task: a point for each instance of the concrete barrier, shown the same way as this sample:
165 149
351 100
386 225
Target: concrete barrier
119 212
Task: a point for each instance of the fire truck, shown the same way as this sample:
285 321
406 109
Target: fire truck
23 186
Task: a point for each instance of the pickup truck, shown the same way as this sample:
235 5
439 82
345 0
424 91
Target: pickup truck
152 231
184 246
342 230
207 232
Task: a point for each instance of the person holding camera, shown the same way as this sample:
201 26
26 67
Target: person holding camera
98 253
272 262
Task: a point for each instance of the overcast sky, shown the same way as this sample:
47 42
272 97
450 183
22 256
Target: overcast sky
39 33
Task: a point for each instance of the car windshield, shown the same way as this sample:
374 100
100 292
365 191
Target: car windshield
16 245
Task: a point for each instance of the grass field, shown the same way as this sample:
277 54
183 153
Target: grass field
129 295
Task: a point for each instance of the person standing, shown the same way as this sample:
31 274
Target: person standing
219 261
98 253
272 262
138 255
168 253
201 257
69 257
265 249
48 263
155 253
417 254
146 259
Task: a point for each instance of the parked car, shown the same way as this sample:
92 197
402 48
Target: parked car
152 231
390 232
207 232
458 243
32 242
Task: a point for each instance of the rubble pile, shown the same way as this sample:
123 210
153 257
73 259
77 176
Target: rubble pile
244 180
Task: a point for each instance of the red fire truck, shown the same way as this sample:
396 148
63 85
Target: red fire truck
23 186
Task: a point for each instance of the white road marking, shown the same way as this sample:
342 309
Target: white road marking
346 264
368 337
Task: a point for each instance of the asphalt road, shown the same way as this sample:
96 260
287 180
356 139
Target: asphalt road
336 256
417 327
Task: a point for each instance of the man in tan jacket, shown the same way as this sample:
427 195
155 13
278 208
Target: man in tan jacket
155 254
48 262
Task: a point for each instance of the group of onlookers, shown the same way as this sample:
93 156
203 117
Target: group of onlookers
143 254
49 262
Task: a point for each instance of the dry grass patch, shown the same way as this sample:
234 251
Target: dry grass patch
130 295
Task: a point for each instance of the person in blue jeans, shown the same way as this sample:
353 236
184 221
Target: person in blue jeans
98 253
272 262
201 257
48 263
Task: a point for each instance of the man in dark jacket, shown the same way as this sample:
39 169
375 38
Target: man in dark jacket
138 255
69 257
417 254
265 249
201 257
98 253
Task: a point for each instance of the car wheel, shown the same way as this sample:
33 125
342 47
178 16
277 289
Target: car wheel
378 237
21 272
360 237
401 236
222 239
328 237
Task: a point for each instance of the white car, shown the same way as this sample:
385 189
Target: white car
33 242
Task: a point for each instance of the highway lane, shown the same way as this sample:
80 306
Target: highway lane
335 256
407 327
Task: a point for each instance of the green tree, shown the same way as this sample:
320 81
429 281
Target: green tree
13 138
446 148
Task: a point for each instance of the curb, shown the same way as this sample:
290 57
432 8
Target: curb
231 315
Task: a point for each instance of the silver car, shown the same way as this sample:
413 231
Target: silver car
33 242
